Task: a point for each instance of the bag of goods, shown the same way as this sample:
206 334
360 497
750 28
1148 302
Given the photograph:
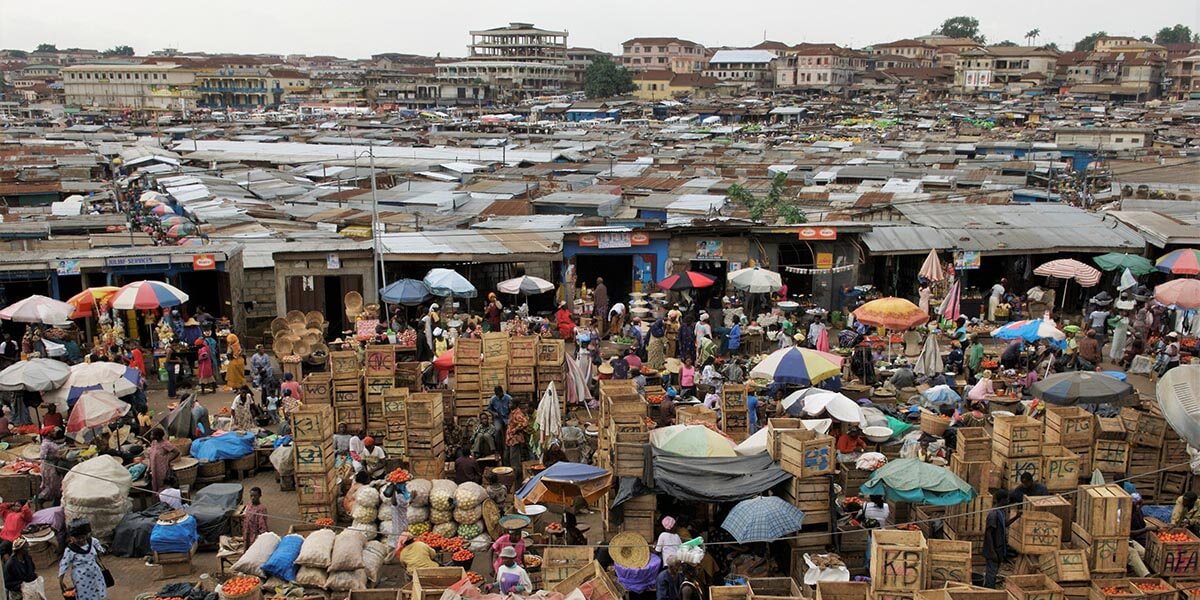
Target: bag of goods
440 517
311 577
385 513
480 543
282 563
367 496
364 514
253 558
317 549
418 490
387 529
419 528
441 496
417 514
470 530
446 529
345 581
281 459
470 495
468 515
369 530
347 551
373 557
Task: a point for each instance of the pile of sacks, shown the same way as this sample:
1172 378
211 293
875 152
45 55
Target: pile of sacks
419 511
366 512
98 490
322 559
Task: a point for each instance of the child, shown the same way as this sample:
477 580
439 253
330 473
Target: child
255 522
687 376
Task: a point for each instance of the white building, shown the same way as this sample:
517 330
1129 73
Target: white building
151 87
747 68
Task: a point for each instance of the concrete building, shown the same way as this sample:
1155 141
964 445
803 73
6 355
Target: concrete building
578 61
925 54
158 87
509 64
819 65
246 83
1104 138
997 67
948 49
973 70
662 53
745 69
520 42
1184 76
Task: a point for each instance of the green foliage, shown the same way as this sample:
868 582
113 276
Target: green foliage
961 27
604 79
1088 43
119 51
773 201
46 48
1005 44
1147 39
1032 35
1179 34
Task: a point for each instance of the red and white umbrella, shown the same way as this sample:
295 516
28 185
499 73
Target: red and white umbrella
1184 293
1069 268
687 280
38 309
931 269
95 408
147 295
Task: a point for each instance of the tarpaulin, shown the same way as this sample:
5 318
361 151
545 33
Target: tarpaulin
563 471
223 447
174 538
715 479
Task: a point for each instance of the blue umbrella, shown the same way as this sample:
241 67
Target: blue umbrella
911 480
446 282
1031 330
762 519
408 292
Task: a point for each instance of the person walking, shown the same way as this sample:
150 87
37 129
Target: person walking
52 462
21 580
995 538
516 439
1120 336
600 305
81 558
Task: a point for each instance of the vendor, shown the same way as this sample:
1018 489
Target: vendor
510 576
982 389
903 377
669 540
505 544
415 554
565 322
1028 487
52 418
553 454
1186 512
371 460
850 445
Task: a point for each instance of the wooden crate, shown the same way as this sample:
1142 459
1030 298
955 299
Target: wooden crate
949 562
1055 505
898 560
774 588
1085 459
466 378
1069 565
313 424
1173 484
629 460
813 495
1097 589
495 348
343 364
560 562
347 392
1060 469
1149 430
428 468
976 541
970 518
977 474
1175 458
491 376
316 488
842 590
522 351
1016 436
354 417
1111 429
974 444
1173 559
429 583
521 379
1106 555
317 388
805 453
1069 426
1104 510
1155 588
425 410
314 457
309 513
594 573
729 592
1035 532
1010 469
1111 457
380 361
1033 587
468 351
408 374
395 403
376 594
551 352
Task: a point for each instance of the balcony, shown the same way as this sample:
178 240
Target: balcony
232 89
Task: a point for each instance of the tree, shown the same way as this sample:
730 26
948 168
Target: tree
604 78
1051 46
1179 34
46 48
119 51
1088 43
1006 44
1032 35
1147 39
773 201
961 27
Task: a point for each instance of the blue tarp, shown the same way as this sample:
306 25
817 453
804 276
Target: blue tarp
282 563
223 447
174 538
563 471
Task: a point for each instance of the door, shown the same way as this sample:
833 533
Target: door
305 293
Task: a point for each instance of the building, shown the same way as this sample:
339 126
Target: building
819 65
578 61
925 54
508 64
665 85
520 42
662 53
998 67
973 70
156 87
244 82
1184 76
948 48
1104 138
744 69
1112 44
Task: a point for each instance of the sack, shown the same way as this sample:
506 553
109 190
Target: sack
253 558
317 549
347 551
345 581
34 590
311 577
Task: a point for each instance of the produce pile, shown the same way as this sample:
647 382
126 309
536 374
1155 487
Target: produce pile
440 510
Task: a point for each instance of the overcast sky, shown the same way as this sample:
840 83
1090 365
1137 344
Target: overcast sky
359 28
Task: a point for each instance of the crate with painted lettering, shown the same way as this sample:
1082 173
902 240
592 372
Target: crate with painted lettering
428 468
1173 553
1069 426
1111 457
374 387
974 444
1148 429
317 388
380 361
495 348
1155 588
842 590
1105 555
1035 532
805 453
309 513
551 352
1060 469
1111 428
810 494
1104 510
353 417
1033 587
1010 469
1117 587
1175 457
316 488
313 424
347 392
977 474
521 379
343 364
492 376
899 560
466 378
468 351
522 351
425 410
1016 436
970 518
888 595
409 373
1068 565
949 562
1055 505
313 456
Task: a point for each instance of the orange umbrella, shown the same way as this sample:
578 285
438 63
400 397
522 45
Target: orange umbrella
891 313
87 303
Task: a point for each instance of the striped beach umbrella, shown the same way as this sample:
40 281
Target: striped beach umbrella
891 313
1069 268
1030 330
798 366
37 309
147 295
1180 262
1184 293
87 303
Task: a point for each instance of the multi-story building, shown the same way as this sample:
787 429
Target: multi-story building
665 85
1184 77
662 53
973 70
924 54
819 65
508 64
153 87
578 61
948 48
745 69
1112 44
519 42
1001 66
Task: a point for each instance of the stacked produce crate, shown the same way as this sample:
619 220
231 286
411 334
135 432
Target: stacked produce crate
469 394
949 562
312 439
1057 506
1073 429
1036 586
426 445
1173 553
1102 526
1177 477
493 371
1110 453
395 421
734 418
552 368
1069 568
318 388
1148 435
522 364
347 390
899 563
1016 449
624 431
379 377
972 462
809 457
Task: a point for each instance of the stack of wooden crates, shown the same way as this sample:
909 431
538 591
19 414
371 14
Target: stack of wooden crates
552 368
734 417
899 563
1110 453
522 364
1072 428
347 390
318 388
493 370
312 440
1148 435
469 395
426 443
972 462
809 457
1101 528
1016 449
379 378
395 422
621 447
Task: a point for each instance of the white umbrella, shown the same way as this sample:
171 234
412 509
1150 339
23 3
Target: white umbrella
95 409
817 401
755 280
548 417
34 375
38 309
932 267
447 282
929 363
108 376
526 284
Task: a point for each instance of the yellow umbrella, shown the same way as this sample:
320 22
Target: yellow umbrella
87 302
891 313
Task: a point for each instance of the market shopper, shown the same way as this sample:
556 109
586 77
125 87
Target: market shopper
21 580
53 467
414 554
81 558
1186 512
516 440
254 523
600 305
511 577
160 455
500 406
995 538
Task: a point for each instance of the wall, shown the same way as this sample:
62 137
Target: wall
258 286
312 263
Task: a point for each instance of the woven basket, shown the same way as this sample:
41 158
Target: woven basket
933 424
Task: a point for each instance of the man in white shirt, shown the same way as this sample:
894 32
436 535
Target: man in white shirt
996 297
510 576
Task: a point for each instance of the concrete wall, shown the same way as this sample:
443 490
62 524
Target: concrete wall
258 286
311 263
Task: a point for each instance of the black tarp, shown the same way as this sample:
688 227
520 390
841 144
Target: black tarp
715 479
132 536
212 507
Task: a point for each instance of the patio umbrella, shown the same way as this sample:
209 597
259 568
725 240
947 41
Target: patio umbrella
147 295
446 282
87 303
1180 262
445 360
911 480
114 378
689 280
38 309
931 269
409 292
95 409
526 285
929 362
1030 330
1068 269
951 306
1138 265
755 280
181 229
1184 293
814 401
696 441
762 519
891 313
1082 387
563 482
180 422
798 366
34 375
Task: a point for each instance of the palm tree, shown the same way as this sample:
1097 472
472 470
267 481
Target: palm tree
1033 35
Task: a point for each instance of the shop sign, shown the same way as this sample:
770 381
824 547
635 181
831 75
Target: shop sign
333 261
613 239
66 267
818 233
710 249
204 262
136 261
967 259
824 260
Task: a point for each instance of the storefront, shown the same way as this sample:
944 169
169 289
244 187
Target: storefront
628 261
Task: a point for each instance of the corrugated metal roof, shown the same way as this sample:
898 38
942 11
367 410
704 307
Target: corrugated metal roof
742 56
472 243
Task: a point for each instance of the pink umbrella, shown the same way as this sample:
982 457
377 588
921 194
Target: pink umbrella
95 408
1068 269
1184 293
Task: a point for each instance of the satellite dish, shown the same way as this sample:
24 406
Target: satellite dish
1179 398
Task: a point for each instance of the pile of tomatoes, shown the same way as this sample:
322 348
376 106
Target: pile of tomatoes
554 528
438 541
240 586
1174 535
1117 591
655 399
474 578
399 476
1147 586
324 522
463 555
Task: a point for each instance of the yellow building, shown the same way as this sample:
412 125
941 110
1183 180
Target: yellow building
117 87
665 85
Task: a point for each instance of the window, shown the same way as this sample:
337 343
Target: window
1119 140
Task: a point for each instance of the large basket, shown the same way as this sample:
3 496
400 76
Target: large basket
210 471
244 463
184 445
185 469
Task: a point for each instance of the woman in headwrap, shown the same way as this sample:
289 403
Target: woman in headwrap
564 321
52 460
686 344
235 371
656 348
493 312
204 369
214 354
